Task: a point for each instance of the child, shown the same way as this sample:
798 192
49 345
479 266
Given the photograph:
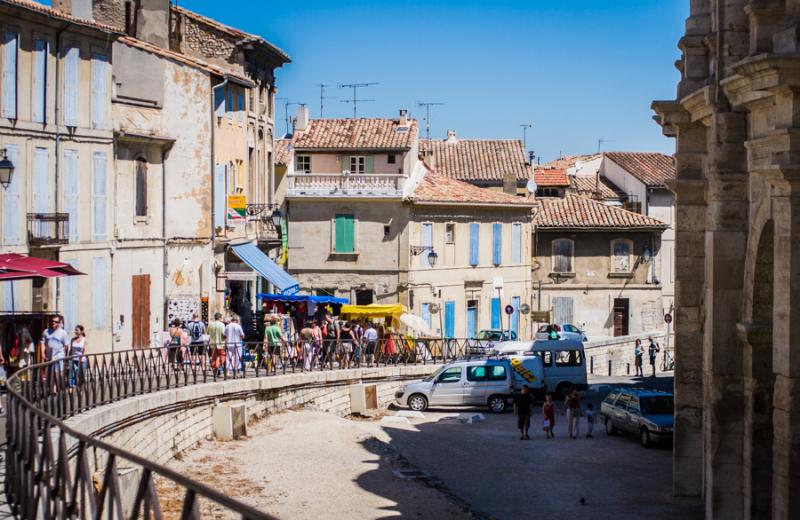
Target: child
549 413
589 420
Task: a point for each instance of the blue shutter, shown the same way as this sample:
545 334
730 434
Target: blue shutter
39 80
516 244
495 313
497 244
10 48
10 296
219 196
425 310
229 103
474 238
450 319
515 317
100 196
41 187
100 285
219 101
71 192
472 320
11 234
240 106
71 304
72 62
100 97
427 241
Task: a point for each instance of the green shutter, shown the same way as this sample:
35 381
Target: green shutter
345 160
369 164
345 234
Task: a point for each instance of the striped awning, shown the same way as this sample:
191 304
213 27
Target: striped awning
261 263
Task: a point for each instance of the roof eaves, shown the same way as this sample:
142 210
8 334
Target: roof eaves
55 14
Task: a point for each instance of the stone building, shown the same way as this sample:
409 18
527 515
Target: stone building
737 383
56 127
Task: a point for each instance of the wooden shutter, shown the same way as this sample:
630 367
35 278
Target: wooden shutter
450 319
100 284
474 240
71 192
140 315
516 243
219 196
562 309
99 196
99 91
72 62
71 303
39 80
369 164
496 313
345 235
10 50
497 244
41 180
11 231
562 256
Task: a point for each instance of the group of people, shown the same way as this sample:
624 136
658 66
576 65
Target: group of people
220 344
68 353
652 351
524 405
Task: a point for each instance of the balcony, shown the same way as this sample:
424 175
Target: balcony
48 229
376 185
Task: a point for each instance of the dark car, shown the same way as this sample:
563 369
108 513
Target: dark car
649 414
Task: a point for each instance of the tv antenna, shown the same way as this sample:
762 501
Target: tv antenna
525 128
286 106
323 97
601 142
428 106
355 101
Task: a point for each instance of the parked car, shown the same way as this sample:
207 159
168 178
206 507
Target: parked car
650 414
564 361
488 382
486 339
565 331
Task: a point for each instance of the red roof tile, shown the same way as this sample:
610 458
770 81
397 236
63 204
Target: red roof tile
595 187
283 151
568 161
436 188
356 134
60 15
650 168
574 212
474 160
550 178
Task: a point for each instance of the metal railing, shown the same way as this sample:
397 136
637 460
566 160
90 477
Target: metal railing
48 469
346 184
47 229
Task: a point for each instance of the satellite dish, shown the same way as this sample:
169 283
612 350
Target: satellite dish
531 186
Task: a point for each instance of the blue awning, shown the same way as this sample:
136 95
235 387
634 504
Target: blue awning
255 258
302 298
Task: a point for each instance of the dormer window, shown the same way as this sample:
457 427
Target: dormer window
302 163
391 159
358 164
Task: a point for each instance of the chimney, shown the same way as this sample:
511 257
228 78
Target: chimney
451 137
301 121
510 183
403 117
76 8
531 157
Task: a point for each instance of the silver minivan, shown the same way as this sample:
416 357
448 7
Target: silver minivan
485 382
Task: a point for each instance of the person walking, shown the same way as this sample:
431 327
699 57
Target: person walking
216 342
316 341
234 336
549 414
572 406
523 409
330 332
590 418
307 344
653 351
174 349
347 341
371 340
197 330
77 353
273 337
638 352
55 343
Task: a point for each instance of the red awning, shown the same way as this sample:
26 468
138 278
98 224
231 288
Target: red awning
21 267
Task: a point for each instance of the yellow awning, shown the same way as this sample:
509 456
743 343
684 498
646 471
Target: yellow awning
373 311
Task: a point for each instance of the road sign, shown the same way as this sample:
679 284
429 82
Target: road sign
509 309
668 318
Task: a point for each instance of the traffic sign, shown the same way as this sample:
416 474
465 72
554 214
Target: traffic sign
668 318
509 309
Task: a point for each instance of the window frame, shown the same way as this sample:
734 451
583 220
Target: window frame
450 229
440 379
578 359
140 191
334 251
571 257
614 243
473 368
391 158
302 158
360 161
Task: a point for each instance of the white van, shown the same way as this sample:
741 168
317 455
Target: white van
489 382
563 360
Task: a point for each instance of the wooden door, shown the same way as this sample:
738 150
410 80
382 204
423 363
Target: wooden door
621 307
140 319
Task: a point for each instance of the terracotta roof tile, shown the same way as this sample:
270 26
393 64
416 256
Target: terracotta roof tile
479 159
568 161
60 15
356 134
595 187
176 56
548 178
283 151
436 188
574 212
650 168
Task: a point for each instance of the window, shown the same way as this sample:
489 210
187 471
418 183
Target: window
450 233
71 80
11 206
141 187
240 106
633 404
497 373
365 297
391 158
71 193
229 102
623 400
345 234
548 192
39 79
10 49
474 239
563 250
657 405
99 288
358 164
569 358
387 231
128 19
99 195
547 357
326 292
451 375
610 397
497 244
219 101
476 373
302 163
516 243
621 256
100 97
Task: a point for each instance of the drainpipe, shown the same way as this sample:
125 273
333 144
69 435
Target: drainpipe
164 252
213 179
57 107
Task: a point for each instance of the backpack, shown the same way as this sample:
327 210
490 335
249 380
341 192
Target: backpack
196 331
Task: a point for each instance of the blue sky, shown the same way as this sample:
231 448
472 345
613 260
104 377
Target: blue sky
578 70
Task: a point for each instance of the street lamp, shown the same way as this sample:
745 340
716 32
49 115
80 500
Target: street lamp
6 170
432 258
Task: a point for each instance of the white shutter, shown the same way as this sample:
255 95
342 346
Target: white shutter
10 296
219 196
99 91
10 47
41 187
71 305
39 80
11 231
71 192
72 63
99 292
516 243
99 196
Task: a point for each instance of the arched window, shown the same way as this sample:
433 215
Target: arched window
621 253
563 252
141 187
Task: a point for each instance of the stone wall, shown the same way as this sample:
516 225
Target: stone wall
619 352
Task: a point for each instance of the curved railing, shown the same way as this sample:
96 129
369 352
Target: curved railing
48 469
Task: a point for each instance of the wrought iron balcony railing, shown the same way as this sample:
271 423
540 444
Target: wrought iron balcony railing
48 229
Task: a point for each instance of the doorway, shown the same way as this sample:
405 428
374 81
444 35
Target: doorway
365 297
621 313
472 318
140 315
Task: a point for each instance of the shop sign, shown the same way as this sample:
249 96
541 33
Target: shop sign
237 209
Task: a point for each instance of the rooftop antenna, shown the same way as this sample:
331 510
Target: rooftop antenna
428 106
355 101
601 142
323 97
525 127
286 106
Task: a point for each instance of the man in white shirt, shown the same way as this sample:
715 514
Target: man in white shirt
234 335
55 342
371 340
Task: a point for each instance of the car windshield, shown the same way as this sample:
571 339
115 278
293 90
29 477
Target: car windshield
656 405
434 375
487 334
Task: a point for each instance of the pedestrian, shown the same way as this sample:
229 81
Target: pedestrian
216 342
549 414
316 342
234 336
273 337
330 333
371 339
653 350
589 420
347 341
307 343
523 409
77 352
358 336
197 330
174 348
55 343
572 407
638 351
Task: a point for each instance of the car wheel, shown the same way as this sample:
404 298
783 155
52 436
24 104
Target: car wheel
418 403
497 404
644 437
610 430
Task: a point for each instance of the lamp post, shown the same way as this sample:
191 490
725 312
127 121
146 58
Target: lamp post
276 219
6 170
433 257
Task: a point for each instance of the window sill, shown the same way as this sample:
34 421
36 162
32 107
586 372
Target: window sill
561 275
343 256
620 275
141 221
